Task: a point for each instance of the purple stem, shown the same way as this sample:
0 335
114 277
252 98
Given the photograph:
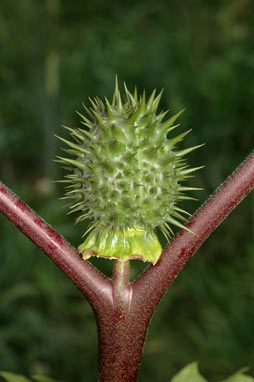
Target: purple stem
120 345
153 283
94 286
123 311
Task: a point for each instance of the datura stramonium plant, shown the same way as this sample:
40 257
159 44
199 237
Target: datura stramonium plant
126 176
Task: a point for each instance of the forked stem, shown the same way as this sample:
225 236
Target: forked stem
123 310
121 340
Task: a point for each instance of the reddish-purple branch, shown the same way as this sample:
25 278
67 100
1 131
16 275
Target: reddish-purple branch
151 286
95 286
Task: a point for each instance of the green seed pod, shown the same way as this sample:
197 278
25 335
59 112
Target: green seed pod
126 176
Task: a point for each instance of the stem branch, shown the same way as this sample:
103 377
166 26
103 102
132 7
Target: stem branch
153 283
94 286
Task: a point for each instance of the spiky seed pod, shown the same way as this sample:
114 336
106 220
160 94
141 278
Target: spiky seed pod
126 176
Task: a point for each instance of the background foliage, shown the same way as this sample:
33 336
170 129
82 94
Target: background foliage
53 55
190 373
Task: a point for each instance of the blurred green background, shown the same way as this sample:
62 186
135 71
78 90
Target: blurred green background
53 55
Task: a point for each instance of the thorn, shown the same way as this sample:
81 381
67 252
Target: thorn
190 170
189 189
182 211
73 162
98 117
184 197
157 101
161 115
187 151
88 110
135 94
89 135
151 99
165 125
129 96
90 229
93 104
134 116
86 120
178 138
73 145
74 132
117 102
142 108
178 224
109 110
165 232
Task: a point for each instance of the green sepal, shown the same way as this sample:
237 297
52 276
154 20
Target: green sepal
128 244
